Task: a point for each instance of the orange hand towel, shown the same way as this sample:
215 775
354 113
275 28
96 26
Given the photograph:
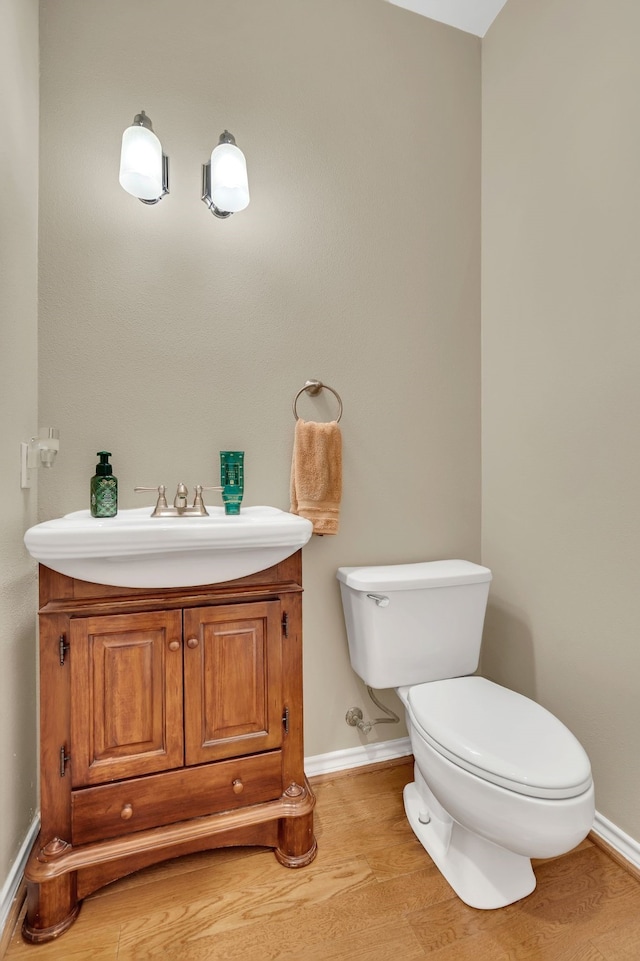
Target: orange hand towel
316 474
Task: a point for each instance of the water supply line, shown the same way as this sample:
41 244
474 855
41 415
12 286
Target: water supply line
355 718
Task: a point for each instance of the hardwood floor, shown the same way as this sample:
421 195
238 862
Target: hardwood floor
372 893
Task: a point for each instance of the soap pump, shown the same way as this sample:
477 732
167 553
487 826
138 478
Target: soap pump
104 488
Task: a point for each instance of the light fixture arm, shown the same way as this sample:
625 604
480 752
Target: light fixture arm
206 193
165 182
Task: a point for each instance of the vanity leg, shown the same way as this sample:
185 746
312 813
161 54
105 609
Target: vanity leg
296 843
52 907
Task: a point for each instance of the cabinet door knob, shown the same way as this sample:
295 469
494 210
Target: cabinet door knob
238 786
174 645
192 642
126 812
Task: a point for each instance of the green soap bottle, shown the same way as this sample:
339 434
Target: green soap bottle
104 488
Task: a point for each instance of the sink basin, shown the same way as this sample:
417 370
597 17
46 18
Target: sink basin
134 549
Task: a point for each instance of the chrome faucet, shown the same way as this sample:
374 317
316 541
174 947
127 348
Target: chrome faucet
180 504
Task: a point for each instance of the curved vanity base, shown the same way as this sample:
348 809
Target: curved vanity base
57 885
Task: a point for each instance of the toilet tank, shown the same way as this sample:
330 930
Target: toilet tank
411 623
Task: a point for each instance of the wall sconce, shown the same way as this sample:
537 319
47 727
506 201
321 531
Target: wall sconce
225 186
144 169
39 452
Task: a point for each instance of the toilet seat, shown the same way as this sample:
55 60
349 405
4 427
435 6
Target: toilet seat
500 736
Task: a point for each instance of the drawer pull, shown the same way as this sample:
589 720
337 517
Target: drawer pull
126 812
238 786
192 642
174 645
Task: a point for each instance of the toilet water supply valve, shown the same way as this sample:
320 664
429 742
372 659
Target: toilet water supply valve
355 718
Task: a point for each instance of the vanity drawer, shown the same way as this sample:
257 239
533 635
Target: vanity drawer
123 807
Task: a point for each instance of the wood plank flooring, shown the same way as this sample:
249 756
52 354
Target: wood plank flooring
372 894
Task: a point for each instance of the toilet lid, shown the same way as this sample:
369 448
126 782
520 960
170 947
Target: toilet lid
500 736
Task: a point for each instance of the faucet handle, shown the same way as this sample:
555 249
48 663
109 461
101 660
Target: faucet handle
161 491
198 503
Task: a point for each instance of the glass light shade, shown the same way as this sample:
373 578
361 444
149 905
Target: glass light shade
141 163
229 183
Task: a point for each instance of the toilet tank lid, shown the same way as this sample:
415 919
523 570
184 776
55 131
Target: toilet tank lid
408 577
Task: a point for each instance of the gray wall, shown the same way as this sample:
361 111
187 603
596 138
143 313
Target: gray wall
561 385
167 335
18 418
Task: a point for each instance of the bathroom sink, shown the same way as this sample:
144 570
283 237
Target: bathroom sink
134 549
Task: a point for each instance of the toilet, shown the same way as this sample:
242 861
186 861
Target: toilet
498 779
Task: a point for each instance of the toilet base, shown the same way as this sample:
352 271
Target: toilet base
481 873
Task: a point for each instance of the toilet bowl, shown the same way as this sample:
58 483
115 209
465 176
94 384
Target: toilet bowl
483 812
498 779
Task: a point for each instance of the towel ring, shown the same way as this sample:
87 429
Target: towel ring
314 387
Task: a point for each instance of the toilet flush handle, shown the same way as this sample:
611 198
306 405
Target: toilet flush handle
380 599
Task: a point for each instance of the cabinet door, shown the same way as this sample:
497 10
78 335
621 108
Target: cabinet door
126 695
233 680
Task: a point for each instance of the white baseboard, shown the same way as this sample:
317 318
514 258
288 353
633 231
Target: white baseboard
626 846
357 756
14 878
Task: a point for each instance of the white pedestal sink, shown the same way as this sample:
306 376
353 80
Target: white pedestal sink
134 549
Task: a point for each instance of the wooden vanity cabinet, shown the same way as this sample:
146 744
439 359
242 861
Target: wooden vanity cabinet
171 722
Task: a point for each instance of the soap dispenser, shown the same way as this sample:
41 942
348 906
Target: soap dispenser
104 488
